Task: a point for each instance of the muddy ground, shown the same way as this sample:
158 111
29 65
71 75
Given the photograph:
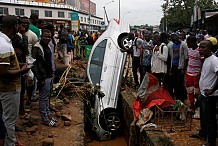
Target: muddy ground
70 130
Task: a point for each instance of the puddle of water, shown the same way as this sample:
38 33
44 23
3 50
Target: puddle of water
118 141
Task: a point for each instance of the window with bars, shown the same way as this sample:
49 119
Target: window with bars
34 11
48 13
19 12
3 11
61 14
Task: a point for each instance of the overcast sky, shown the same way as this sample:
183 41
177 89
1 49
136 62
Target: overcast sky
133 11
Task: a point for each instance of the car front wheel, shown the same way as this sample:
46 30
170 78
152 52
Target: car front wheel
124 43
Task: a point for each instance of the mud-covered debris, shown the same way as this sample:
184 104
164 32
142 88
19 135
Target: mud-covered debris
66 117
32 129
66 101
48 142
67 123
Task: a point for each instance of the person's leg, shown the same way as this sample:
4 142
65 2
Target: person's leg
60 49
134 71
29 89
64 49
44 94
10 105
2 142
181 91
190 89
33 97
196 89
3 130
202 102
158 75
50 87
172 83
141 73
211 121
22 92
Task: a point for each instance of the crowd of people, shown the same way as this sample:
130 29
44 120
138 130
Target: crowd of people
187 66
27 64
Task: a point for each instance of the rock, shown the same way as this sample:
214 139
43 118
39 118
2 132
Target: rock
67 123
33 120
50 135
25 122
66 101
66 117
26 116
48 142
58 114
58 106
32 129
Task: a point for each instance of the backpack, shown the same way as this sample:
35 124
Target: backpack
64 36
135 44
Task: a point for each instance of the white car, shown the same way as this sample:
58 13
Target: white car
105 69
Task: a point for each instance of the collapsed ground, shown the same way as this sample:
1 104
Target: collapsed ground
70 116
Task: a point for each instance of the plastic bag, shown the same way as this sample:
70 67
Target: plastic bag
30 61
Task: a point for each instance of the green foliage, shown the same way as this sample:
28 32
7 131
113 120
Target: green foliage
177 13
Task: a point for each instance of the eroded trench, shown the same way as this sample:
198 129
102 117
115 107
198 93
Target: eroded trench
121 137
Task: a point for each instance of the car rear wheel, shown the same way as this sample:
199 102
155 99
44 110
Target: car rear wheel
111 122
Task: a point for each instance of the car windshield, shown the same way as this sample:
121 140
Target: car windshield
97 62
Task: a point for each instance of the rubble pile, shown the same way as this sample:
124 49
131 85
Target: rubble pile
66 103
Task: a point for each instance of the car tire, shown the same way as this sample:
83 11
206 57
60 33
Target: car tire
111 123
124 44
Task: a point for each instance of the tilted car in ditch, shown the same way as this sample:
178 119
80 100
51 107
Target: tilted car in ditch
105 69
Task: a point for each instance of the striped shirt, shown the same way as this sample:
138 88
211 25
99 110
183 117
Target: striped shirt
194 62
8 57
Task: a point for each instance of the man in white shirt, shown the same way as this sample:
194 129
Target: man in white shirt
136 57
159 58
208 85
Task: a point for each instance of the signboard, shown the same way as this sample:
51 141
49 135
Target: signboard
85 5
60 2
48 1
75 25
78 4
93 8
81 5
74 16
71 2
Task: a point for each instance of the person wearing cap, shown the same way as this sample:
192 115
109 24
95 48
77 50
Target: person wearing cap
214 42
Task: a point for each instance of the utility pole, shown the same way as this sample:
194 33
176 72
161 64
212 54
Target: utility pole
119 9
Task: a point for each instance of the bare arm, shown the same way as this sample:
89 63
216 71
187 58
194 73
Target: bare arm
4 71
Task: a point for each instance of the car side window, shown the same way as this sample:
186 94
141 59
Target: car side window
96 63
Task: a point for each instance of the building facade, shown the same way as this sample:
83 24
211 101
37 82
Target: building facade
51 13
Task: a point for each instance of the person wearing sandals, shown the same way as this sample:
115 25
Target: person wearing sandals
42 69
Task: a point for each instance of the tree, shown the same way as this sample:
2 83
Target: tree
177 13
